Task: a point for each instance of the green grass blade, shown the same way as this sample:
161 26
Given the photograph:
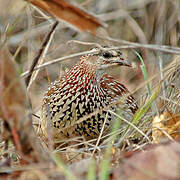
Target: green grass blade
92 171
146 106
69 175
144 71
105 164
141 112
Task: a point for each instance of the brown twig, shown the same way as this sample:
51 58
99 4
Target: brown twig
70 56
162 48
36 59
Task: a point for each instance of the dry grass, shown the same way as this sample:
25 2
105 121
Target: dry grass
150 28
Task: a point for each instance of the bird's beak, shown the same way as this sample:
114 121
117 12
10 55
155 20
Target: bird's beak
123 63
119 62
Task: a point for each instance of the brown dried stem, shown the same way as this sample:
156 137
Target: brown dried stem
36 59
14 112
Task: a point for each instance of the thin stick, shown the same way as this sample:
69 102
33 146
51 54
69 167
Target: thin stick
131 124
100 135
163 48
41 59
36 59
71 56
130 45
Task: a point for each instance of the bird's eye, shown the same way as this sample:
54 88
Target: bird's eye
107 55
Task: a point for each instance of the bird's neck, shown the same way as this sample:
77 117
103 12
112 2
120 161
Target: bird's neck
85 72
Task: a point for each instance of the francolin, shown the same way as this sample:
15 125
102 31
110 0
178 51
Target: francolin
86 90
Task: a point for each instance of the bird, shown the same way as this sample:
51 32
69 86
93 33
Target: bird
86 91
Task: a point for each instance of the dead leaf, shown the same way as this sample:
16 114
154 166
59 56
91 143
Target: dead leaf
160 162
167 125
14 110
71 14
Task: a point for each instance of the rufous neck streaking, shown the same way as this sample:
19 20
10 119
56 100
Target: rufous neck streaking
84 71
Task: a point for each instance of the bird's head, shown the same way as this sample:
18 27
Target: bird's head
103 58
